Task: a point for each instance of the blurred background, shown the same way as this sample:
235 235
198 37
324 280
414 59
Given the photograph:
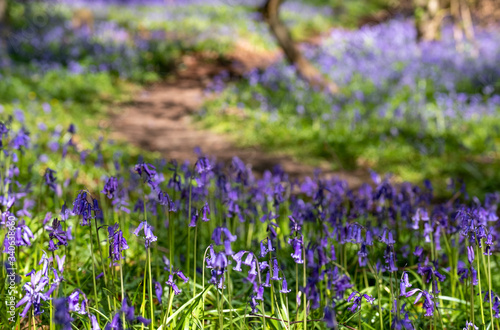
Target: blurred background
410 88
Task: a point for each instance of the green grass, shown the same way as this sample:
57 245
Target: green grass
461 149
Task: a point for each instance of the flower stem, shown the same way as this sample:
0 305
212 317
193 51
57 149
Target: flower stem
195 250
151 291
93 271
304 279
479 284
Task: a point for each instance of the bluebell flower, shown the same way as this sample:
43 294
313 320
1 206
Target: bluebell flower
489 243
56 233
470 326
117 244
399 323
356 298
20 140
23 235
194 217
390 259
387 237
148 173
148 233
93 322
284 286
329 316
110 187
296 244
50 179
470 254
61 313
238 258
206 212
253 304
34 294
260 293
158 291
74 302
83 205
172 284
276 270
404 284
428 303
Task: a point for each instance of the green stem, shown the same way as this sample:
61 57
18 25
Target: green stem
151 291
93 272
189 229
304 281
479 284
262 301
123 291
194 257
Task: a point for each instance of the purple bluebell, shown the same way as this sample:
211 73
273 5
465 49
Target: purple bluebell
470 254
418 251
61 313
329 317
23 235
296 244
148 173
238 258
276 271
260 293
117 244
390 259
194 218
284 286
158 291
489 244
356 298
148 233
93 322
74 302
56 233
34 294
83 205
110 187
172 284
428 303
50 179
387 237
470 326
21 140
404 284
206 212
253 304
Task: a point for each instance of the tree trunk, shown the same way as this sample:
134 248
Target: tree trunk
305 69
457 29
3 10
3 27
428 18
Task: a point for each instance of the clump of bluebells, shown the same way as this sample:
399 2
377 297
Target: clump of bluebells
131 250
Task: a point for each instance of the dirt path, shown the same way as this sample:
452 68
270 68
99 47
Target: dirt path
159 119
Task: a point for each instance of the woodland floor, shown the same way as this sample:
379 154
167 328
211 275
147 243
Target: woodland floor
159 118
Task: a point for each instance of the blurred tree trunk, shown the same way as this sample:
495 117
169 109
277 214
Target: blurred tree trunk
467 18
457 30
3 10
428 18
462 24
279 30
3 26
